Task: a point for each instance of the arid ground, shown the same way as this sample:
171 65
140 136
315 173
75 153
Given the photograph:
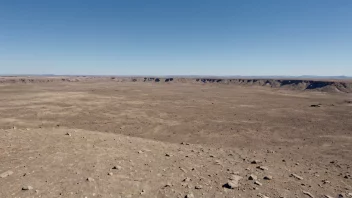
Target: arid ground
103 138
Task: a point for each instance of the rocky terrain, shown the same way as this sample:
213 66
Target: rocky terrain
79 163
114 138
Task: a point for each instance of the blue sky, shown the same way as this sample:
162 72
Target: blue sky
184 37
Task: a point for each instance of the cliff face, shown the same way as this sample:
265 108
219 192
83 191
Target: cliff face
326 86
319 85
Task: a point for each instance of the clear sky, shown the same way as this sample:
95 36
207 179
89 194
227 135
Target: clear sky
176 37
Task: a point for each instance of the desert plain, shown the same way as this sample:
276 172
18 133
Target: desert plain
104 137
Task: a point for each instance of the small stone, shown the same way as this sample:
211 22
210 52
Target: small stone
6 174
262 168
168 184
308 194
90 179
255 162
328 196
296 176
234 172
168 155
326 181
110 174
143 192
189 195
187 179
268 177
252 177
140 152
117 167
258 183
262 196
198 187
270 151
27 188
233 183
69 134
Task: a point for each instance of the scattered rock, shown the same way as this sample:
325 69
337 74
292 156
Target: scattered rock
258 183
328 196
90 179
27 188
168 155
262 196
140 152
270 151
190 195
234 172
198 187
187 179
233 183
296 176
117 167
183 170
6 174
268 177
255 162
110 174
262 168
308 194
252 177
69 134
315 105
168 184
326 181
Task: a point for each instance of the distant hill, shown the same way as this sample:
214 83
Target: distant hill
196 76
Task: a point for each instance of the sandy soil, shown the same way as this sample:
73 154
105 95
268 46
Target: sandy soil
139 126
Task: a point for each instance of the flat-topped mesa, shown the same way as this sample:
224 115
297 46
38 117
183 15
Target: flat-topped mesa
294 84
344 86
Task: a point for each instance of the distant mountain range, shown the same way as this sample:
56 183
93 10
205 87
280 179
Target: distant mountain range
195 76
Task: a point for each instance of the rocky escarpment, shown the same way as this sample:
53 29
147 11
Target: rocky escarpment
319 85
294 84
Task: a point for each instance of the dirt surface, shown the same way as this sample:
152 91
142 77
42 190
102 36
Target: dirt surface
54 136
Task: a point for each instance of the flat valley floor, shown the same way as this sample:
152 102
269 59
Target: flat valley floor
63 139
